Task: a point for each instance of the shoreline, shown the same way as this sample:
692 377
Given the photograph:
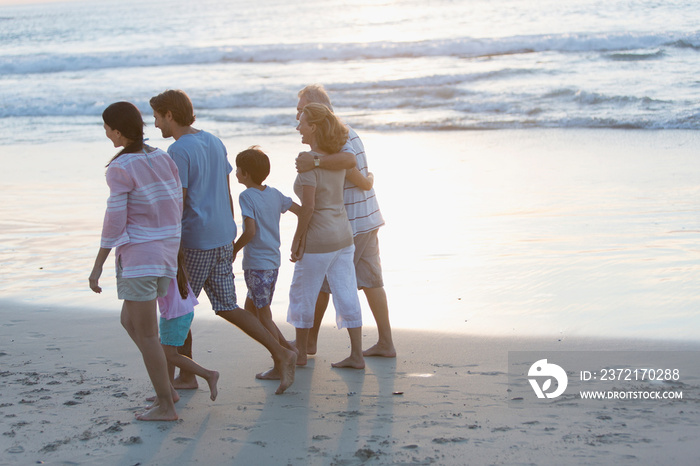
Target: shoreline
545 232
206 316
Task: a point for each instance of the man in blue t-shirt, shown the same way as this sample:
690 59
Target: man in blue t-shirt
208 226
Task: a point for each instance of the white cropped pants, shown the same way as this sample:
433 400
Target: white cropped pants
309 272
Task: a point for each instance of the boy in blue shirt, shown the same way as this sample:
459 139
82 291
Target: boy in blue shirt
261 208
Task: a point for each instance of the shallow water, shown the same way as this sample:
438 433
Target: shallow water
552 232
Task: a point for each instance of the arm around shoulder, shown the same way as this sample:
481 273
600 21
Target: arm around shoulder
358 179
338 161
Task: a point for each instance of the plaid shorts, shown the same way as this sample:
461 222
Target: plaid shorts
261 286
212 270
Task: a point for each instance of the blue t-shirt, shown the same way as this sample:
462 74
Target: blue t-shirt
265 207
207 222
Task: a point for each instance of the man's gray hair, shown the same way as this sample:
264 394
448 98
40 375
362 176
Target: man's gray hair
317 94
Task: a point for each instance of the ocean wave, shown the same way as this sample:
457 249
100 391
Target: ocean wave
685 44
52 129
465 47
438 102
596 98
636 56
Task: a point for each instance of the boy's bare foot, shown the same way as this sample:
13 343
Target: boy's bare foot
157 413
272 374
212 380
188 383
381 351
287 368
351 362
302 360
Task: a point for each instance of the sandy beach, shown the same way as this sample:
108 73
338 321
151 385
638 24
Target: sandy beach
71 383
496 242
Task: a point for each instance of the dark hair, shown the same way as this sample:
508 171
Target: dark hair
125 118
254 162
177 103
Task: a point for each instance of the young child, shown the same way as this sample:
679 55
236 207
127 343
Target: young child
261 208
176 314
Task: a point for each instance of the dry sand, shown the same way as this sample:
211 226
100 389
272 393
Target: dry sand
71 381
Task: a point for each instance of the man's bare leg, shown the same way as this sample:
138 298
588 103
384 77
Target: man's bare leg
283 358
319 311
376 298
355 360
186 380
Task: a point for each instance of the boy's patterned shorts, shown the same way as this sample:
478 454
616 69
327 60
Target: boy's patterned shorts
213 270
261 286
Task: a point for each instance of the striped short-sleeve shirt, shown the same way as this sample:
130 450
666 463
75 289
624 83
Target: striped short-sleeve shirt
362 206
144 214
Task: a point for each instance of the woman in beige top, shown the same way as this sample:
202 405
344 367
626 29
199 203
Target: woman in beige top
323 244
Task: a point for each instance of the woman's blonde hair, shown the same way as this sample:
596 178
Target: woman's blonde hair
331 134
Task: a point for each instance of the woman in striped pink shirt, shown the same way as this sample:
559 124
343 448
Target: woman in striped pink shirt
142 221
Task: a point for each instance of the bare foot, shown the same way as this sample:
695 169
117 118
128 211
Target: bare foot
290 345
380 351
351 362
173 393
158 413
272 374
302 359
287 368
212 380
311 347
185 384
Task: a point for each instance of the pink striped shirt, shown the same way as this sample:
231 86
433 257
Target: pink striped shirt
144 214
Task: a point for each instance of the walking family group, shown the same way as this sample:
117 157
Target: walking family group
170 218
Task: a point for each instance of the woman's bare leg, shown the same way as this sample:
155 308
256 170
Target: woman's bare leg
139 318
355 360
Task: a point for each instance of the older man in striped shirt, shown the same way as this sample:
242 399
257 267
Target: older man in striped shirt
365 218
